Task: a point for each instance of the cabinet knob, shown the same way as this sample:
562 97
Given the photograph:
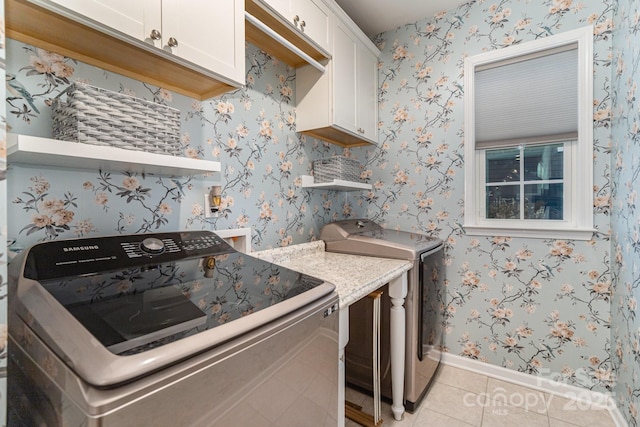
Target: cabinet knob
302 25
172 42
155 35
296 19
361 130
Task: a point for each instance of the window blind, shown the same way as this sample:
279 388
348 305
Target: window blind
532 99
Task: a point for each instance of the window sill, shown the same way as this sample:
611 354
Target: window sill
531 233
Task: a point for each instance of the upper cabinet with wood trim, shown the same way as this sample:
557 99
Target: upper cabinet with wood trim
310 17
195 48
341 105
306 24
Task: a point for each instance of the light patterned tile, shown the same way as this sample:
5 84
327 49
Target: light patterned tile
408 420
559 423
578 413
303 413
243 415
297 375
264 400
509 416
460 404
355 396
330 422
320 391
430 418
461 378
503 393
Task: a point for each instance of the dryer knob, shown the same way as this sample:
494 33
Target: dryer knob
153 246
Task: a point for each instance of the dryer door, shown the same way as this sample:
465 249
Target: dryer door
431 336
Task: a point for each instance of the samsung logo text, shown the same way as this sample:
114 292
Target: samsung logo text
80 248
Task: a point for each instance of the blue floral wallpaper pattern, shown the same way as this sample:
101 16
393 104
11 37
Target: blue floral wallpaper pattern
536 306
625 332
3 232
554 308
251 131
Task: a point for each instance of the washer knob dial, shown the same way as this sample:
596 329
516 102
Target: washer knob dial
153 246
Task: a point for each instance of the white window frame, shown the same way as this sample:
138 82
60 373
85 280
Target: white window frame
578 162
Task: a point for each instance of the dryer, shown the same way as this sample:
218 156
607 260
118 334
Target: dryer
423 305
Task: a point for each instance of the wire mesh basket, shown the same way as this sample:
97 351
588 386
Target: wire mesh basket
337 167
98 116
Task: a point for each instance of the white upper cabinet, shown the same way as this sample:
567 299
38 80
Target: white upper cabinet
194 47
283 7
311 17
367 96
315 20
188 30
207 33
306 24
343 66
125 16
340 106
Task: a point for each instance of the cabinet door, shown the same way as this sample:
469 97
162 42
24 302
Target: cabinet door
208 34
366 101
283 7
127 16
344 77
315 21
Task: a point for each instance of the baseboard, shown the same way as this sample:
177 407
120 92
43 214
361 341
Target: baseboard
617 416
542 384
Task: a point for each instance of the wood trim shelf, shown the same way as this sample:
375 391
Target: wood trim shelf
336 184
32 150
338 136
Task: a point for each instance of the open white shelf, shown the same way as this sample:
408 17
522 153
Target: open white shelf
336 184
34 150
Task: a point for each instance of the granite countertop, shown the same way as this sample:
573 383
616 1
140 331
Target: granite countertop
354 276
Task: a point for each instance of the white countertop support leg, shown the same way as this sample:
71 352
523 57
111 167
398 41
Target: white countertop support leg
397 292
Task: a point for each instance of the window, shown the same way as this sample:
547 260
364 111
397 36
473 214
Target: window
529 139
525 182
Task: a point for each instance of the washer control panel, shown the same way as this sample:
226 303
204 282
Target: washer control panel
152 246
58 259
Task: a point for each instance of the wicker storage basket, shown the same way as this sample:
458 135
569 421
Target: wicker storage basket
337 167
101 117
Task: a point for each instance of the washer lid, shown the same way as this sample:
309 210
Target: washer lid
364 237
419 242
139 308
128 311
394 243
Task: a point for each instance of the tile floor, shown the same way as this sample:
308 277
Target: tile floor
460 398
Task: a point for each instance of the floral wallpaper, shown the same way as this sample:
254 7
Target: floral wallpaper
251 131
3 233
556 308
536 306
625 332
